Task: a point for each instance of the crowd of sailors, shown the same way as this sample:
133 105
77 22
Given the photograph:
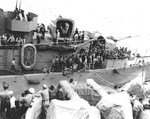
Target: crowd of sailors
118 53
92 57
12 107
12 40
78 36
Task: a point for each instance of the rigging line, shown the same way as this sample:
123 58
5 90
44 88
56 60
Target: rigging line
10 71
144 113
142 68
119 73
129 75
14 72
108 73
23 74
105 81
122 74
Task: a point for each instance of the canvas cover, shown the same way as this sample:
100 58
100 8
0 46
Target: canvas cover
119 103
135 86
136 89
138 86
144 114
76 108
140 89
146 88
112 106
34 112
147 74
87 93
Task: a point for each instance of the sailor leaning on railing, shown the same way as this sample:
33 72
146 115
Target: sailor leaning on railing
12 40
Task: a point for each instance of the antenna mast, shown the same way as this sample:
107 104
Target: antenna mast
20 6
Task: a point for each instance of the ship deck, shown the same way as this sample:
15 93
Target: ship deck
100 75
48 41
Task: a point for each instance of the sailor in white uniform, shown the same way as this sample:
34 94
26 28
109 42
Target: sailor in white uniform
45 99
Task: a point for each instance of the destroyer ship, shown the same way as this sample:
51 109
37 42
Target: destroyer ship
33 57
34 61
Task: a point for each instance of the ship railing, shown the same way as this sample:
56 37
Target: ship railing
71 42
74 42
70 69
15 43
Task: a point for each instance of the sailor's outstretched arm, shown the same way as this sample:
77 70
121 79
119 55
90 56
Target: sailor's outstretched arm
68 89
96 87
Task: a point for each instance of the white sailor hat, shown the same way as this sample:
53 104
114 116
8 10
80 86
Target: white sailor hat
31 90
44 86
11 92
5 85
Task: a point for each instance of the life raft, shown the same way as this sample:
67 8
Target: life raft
28 56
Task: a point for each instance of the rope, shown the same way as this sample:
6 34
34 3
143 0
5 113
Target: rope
145 113
130 74
14 72
110 84
10 70
23 74
102 79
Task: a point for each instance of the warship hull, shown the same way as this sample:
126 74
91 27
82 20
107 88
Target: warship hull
104 77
